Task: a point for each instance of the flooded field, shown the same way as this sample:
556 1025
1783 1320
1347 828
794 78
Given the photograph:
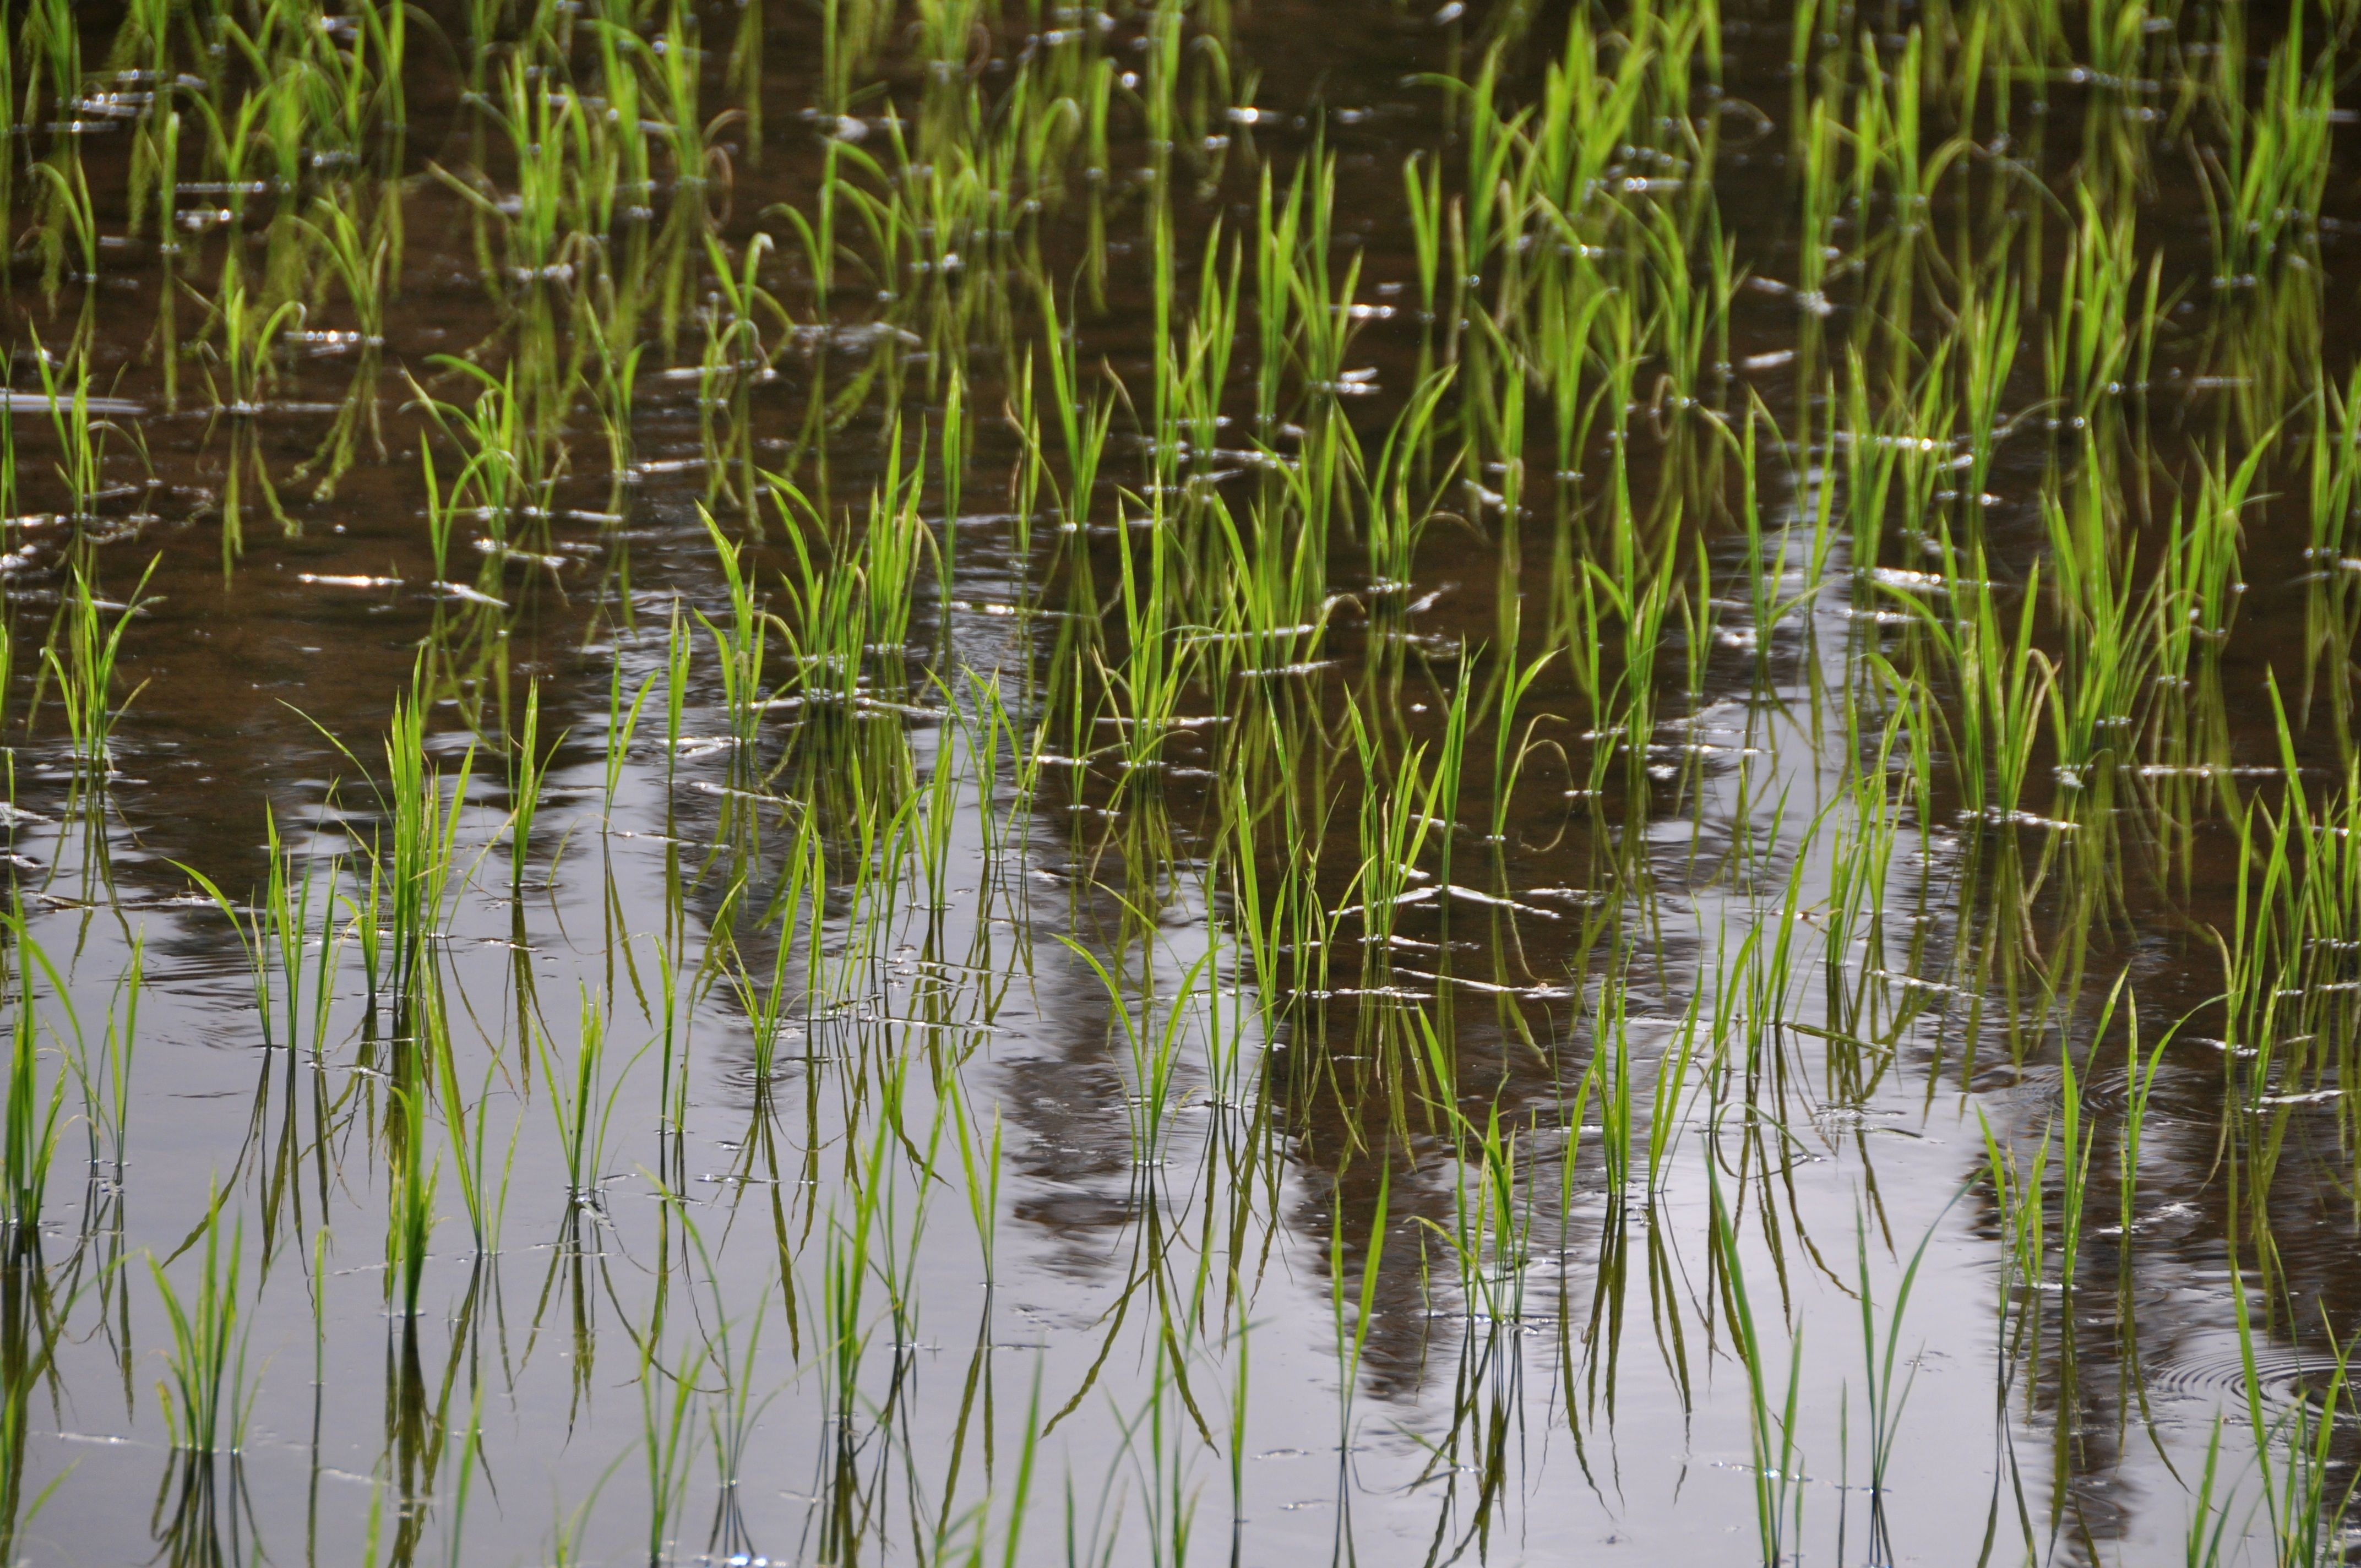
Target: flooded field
970 783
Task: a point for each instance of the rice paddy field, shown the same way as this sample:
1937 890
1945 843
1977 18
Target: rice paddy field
975 783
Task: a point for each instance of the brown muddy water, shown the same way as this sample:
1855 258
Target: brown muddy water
846 783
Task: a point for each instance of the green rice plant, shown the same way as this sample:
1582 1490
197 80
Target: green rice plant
1083 425
1884 1400
737 355
2020 1194
420 861
1777 1464
1195 380
618 361
1989 337
509 466
362 264
676 73
620 148
69 211
2099 330
1509 755
1152 1044
733 1413
1394 825
106 1083
412 1183
442 516
1624 706
1155 666
1274 606
414 1214
2255 943
538 242
275 936
1395 521
1284 932
2004 683
207 1398
84 669
1671 1077
234 135
937 822
1820 198
2199 581
768 1008
2209 1523
2335 465
2265 191
52 42
980 1166
678 652
583 1093
848 601
740 645
622 724
249 333
667 1433
2105 671
529 763
74 417
32 1141
2305 1505
367 906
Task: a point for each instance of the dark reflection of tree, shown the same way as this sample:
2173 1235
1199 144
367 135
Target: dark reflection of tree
2104 1365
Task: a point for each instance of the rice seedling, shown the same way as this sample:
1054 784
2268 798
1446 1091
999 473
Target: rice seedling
85 671
362 264
528 775
1778 1488
740 646
410 1219
251 334
207 1399
468 1129
76 418
418 865
70 214
275 936
1885 1401
581 1104
31 1142
106 1083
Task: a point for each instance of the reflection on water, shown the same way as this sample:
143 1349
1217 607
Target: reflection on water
980 783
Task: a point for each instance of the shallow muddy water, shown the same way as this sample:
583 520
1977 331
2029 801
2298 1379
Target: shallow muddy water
828 784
